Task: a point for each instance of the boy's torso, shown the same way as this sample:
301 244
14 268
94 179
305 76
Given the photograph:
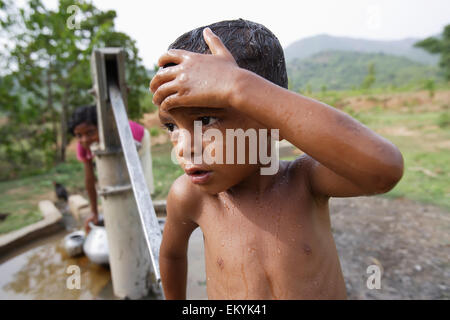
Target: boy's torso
277 245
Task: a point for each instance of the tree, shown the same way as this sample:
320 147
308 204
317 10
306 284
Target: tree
439 46
370 77
430 86
50 69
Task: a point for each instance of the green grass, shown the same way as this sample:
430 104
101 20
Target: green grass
164 170
20 197
17 221
427 162
356 92
336 97
418 184
427 159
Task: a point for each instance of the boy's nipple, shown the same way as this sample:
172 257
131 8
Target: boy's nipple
220 263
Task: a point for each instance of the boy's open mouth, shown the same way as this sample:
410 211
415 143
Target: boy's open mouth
198 175
198 172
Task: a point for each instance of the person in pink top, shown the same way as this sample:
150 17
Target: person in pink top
83 125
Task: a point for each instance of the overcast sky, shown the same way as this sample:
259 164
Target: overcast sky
155 24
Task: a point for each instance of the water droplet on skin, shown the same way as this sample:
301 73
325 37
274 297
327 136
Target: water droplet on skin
279 251
307 249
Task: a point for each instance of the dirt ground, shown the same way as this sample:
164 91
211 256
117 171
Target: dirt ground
421 101
408 240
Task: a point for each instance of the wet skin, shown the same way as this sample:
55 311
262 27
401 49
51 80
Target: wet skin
262 240
266 237
271 243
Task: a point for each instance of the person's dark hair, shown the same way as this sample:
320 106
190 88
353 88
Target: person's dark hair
253 46
83 114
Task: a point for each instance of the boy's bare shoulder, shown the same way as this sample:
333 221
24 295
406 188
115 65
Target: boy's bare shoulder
300 169
301 166
184 198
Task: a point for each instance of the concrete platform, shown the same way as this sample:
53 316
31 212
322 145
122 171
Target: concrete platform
80 209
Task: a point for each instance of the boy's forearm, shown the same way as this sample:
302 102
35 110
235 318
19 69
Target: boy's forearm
173 277
330 136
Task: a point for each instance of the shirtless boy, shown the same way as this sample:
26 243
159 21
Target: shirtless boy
265 236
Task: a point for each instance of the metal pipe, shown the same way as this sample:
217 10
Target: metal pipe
147 214
133 231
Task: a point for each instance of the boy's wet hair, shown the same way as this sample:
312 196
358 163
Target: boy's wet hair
253 46
84 114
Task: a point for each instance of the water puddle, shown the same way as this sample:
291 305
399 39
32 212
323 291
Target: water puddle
39 271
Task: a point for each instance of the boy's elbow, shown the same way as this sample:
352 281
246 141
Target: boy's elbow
390 180
388 176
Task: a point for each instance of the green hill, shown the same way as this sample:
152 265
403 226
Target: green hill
344 70
307 47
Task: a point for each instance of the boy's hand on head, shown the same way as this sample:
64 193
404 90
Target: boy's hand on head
200 80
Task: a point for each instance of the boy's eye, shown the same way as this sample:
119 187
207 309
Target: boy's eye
208 120
170 126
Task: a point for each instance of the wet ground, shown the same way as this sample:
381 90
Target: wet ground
409 241
39 270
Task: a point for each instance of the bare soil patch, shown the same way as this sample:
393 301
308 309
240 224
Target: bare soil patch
409 240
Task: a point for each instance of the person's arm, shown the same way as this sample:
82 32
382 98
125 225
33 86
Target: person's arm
89 182
345 158
174 245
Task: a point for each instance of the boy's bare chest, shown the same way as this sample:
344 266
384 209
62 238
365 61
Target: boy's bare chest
260 230
247 242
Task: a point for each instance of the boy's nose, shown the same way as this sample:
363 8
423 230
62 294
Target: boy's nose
188 145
